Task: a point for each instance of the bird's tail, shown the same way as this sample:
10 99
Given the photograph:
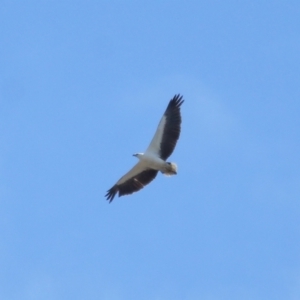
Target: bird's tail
169 169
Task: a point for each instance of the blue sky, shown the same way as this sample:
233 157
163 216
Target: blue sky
83 85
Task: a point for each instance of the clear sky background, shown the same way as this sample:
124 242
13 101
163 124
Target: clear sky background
83 85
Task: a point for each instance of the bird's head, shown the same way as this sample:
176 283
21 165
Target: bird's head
138 155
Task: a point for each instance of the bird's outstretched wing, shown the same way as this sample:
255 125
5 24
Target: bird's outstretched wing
131 182
168 130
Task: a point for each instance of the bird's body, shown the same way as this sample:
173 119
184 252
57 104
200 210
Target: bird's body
154 158
152 161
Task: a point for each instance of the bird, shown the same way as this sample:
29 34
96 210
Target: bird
154 158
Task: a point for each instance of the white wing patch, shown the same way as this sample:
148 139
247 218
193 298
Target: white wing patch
138 168
154 146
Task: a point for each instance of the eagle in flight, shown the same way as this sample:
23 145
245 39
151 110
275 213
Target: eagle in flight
154 158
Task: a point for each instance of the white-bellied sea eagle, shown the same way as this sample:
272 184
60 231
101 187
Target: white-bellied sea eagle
154 159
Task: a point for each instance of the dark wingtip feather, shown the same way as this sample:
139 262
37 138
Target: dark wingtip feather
111 193
176 101
172 127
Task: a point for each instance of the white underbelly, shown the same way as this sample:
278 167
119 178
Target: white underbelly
153 162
